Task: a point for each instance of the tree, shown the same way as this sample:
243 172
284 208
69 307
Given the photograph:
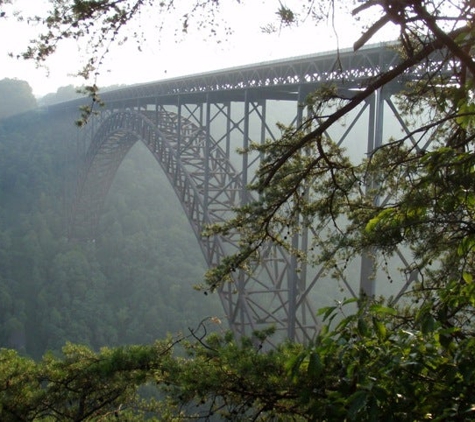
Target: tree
81 385
424 176
367 368
16 97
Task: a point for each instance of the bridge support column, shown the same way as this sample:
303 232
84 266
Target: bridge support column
242 302
207 153
375 140
293 278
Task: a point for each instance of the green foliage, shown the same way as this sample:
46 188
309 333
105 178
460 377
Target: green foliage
134 284
80 385
106 24
233 380
411 196
412 193
378 365
375 364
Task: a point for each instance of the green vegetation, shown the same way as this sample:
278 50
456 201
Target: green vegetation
407 361
370 367
133 285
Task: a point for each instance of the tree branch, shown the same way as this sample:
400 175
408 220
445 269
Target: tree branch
380 82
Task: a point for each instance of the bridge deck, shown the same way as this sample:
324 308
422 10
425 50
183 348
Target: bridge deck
278 80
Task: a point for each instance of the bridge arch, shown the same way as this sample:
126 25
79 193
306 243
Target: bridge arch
208 188
182 157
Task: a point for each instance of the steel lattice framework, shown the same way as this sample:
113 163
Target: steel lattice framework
193 126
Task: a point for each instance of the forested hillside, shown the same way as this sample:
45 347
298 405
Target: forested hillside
132 285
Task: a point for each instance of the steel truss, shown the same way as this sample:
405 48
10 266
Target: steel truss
193 126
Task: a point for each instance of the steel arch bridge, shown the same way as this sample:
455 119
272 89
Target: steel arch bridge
193 127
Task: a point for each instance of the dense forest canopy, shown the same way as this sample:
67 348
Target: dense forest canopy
382 361
133 285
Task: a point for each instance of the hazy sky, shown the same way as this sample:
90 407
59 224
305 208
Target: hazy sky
172 57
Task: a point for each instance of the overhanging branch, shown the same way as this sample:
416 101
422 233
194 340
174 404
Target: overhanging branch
380 82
